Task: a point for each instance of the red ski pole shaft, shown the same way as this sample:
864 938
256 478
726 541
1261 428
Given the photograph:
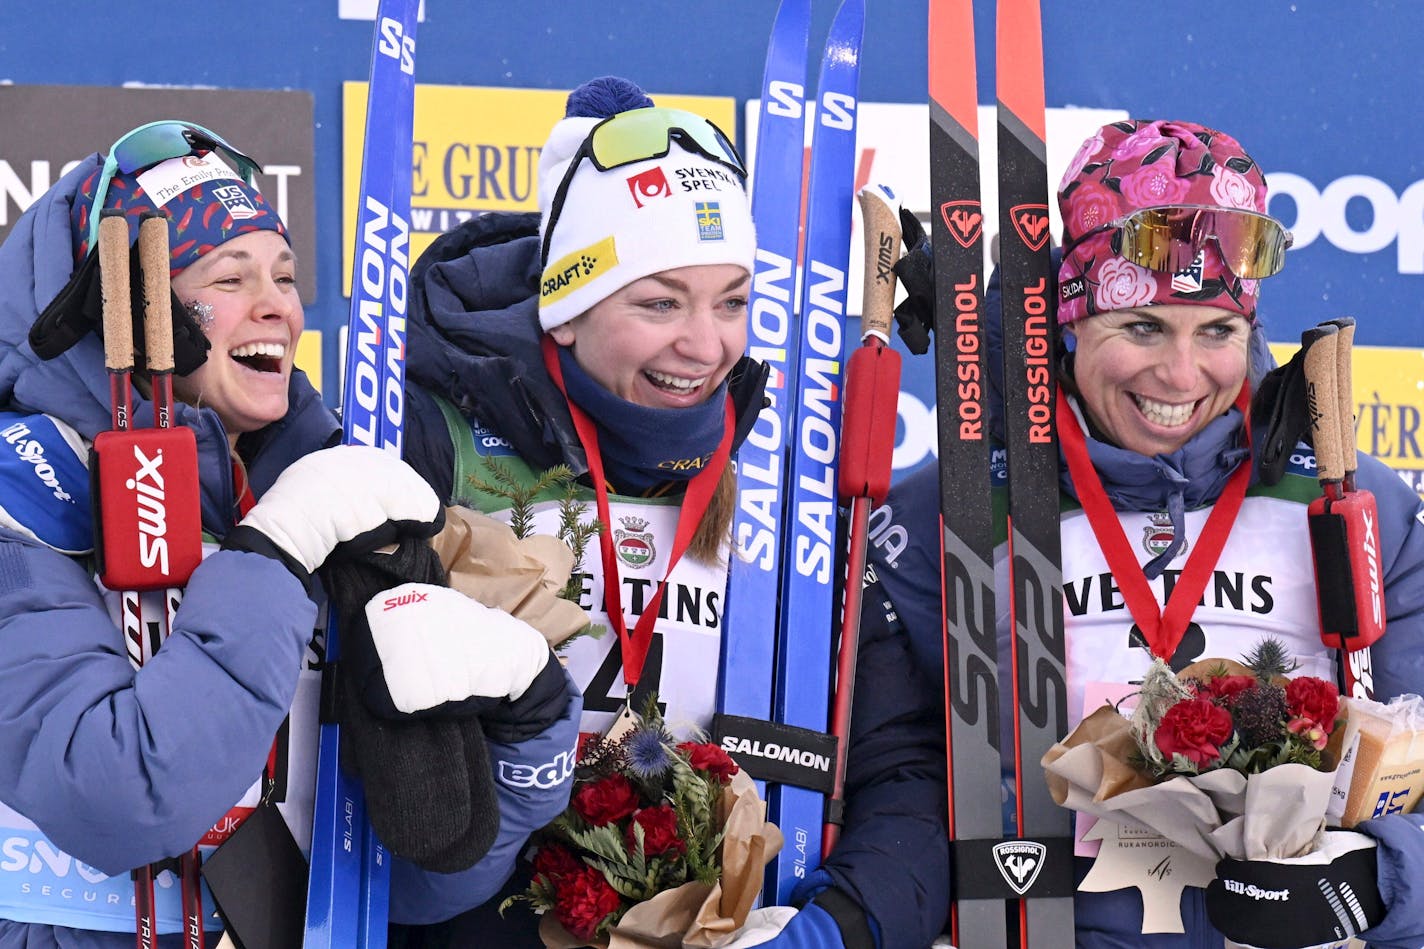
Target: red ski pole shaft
113 253
158 347
867 442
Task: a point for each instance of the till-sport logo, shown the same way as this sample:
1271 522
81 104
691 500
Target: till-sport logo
1019 861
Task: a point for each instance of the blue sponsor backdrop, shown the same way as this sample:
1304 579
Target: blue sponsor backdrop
1325 95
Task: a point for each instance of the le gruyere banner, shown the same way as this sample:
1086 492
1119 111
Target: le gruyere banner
475 149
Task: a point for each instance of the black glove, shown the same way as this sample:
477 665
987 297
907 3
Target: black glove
914 316
78 310
1328 895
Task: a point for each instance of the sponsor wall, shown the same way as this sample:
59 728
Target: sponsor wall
1320 93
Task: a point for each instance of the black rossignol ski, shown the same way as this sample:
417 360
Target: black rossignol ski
1039 866
971 664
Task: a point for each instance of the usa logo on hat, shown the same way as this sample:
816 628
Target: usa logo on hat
238 204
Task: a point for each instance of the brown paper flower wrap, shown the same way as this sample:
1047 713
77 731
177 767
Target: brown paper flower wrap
663 844
1255 788
522 576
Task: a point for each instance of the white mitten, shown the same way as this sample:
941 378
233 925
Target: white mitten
437 645
350 493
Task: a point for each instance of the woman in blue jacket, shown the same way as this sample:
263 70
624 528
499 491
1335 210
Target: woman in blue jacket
105 767
1159 335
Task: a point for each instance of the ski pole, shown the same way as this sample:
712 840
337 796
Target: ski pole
867 443
119 359
1344 521
158 346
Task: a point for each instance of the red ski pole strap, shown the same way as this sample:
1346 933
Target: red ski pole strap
695 503
1163 629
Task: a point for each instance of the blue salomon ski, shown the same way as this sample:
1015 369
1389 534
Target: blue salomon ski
749 623
808 603
348 890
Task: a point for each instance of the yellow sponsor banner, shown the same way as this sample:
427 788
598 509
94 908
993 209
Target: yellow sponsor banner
308 357
1389 406
475 149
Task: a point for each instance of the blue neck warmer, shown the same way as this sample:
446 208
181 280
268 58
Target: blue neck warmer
644 447
1188 478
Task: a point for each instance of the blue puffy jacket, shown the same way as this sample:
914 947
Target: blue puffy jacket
120 768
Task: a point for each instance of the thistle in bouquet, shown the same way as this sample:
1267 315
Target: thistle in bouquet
1225 758
662 840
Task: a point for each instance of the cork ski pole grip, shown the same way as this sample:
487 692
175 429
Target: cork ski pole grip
157 296
114 286
880 222
1323 405
1345 392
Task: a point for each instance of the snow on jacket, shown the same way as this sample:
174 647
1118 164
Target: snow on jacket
907 557
119 768
473 339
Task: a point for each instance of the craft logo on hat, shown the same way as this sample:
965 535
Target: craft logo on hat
238 204
634 542
572 271
649 184
168 179
1189 278
709 221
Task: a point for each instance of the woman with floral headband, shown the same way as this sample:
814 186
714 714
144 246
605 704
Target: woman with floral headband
607 334
122 767
1165 246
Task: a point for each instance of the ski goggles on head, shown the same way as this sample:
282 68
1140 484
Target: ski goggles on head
1168 239
642 135
155 142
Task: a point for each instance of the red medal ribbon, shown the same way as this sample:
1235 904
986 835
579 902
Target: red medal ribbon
695 503
1163 629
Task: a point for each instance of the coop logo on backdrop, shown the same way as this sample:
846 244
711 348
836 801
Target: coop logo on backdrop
1355 213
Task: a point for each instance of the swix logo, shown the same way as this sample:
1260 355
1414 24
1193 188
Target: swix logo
648 185
964 219
395 44
1031 221
1371 545
147 486
1019 862
548 775
885 259
404 599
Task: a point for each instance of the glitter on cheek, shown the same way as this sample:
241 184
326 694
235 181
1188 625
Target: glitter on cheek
202 313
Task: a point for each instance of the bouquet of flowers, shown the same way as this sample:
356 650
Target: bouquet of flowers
1224 758
663 843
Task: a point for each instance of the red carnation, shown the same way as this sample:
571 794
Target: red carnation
554 862
659 831
1313 704
1225 688
605 801
705 756
1194 729
584 901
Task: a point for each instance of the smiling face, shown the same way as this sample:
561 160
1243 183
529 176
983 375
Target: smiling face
255 319
1151 378
666 340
